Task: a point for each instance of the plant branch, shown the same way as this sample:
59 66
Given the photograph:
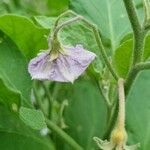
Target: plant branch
68 22
133 17
66 13
49 97
97 37
63 135
137 30
54 127
38 99
133 73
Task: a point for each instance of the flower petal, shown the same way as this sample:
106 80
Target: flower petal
75 62
42 68
64 68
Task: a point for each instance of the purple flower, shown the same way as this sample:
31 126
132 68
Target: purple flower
61 67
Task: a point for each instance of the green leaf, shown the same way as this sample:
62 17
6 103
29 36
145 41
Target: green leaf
8 96
13 73
45 22
138 111
85 115
122 58
109 15
27 36
15 135
147 48
34 118
57 6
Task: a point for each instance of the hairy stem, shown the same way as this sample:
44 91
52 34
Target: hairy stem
38 98
70 21
137 30
121 113
133 73
63 135
139 37
68 139
66 13
49 97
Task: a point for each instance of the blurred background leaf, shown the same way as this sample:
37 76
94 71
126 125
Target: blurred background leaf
85 114
13 72
138 111
15 135
27 36
110 16
34 7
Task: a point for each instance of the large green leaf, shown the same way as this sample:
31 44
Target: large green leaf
122 58
85 115
138 111
109 15
28 37
13 71
34 118
15 135
45 22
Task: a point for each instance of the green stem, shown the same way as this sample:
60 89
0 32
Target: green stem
49 97
133 73
70 21
103 53
63 135
133 17
139 37
37 97
97 37
66 13
54 127
137 30
142 66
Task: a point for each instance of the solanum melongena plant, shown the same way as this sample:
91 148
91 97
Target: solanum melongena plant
62 63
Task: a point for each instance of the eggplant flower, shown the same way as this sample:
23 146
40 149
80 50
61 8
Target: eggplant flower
63 66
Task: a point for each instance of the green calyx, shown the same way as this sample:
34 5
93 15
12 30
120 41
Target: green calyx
55 48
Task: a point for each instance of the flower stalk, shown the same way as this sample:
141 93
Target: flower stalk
63 135
119 135
96 35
